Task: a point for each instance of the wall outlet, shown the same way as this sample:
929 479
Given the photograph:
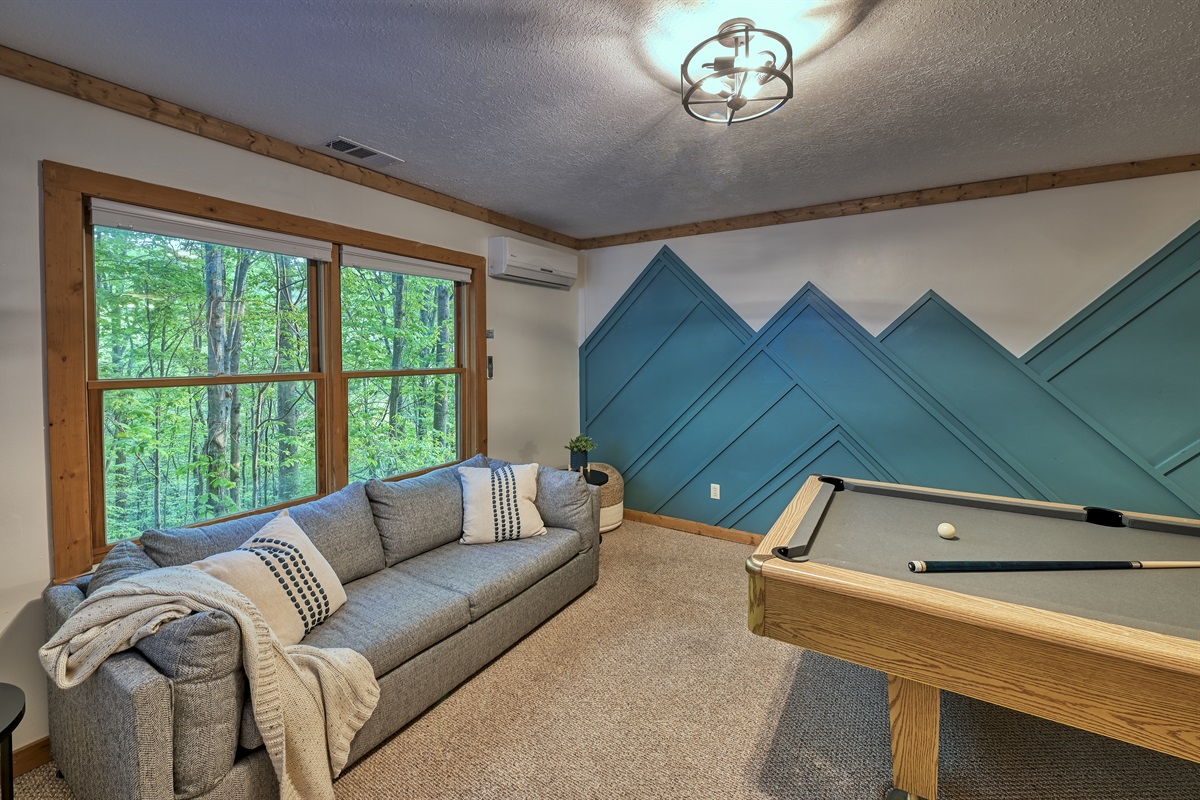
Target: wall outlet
714 491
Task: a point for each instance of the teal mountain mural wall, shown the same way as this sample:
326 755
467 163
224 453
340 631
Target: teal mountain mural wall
679 393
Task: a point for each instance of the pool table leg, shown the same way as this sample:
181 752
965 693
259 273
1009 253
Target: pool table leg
914 709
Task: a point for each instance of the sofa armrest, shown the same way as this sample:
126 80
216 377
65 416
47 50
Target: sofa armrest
111 735
201 656
157 721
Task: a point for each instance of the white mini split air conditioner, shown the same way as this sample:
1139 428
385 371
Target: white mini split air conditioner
513 260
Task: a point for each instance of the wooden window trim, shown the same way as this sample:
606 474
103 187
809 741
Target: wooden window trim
70 340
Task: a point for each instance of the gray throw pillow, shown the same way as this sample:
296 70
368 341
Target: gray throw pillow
340 525
415 515
123 561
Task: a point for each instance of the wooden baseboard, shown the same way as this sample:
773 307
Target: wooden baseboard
31 756
688 526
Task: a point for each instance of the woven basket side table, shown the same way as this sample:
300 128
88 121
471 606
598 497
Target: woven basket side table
612 497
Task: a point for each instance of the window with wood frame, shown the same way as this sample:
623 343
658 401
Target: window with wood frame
212 368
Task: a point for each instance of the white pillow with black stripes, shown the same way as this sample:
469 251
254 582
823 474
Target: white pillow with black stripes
498 504
283 573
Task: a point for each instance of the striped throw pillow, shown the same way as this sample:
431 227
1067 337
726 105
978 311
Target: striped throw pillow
283 573
498 504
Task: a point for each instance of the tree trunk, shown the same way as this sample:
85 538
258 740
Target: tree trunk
234 355
219 397
287 392
395 394
441 385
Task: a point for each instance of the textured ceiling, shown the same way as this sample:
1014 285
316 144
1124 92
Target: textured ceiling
566 113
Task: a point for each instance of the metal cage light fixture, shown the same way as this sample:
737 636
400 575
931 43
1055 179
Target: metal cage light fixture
751 83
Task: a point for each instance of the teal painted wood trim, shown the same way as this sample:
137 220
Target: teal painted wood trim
1179 458
1004 397
721 445
1118 321
1082 332
757 512
680 372
876 460
638 366
699 293
699 407
1142 382
1131 359
704 399
899 375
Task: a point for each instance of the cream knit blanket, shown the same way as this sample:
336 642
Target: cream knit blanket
308 702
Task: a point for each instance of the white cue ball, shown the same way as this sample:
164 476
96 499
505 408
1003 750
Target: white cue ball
946 531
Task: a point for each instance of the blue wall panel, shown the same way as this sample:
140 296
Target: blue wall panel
1131 361
832 455
636 334
680 393
662 388
721 417
872 396
766 445
1065 454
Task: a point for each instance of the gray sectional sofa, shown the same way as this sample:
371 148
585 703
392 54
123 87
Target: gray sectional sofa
170 718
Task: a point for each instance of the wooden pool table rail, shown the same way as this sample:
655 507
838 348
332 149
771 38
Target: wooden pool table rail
1134 685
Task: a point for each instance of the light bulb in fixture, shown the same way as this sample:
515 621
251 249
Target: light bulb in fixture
715 86
754 81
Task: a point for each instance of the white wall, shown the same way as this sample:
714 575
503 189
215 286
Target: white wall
1018 266
533 402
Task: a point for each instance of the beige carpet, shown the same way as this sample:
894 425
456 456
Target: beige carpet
650 686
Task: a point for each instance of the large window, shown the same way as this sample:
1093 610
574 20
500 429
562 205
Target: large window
210 368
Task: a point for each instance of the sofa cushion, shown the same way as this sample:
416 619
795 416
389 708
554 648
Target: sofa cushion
415 515
563 499
498 504
389 617
491 574
123 561
284 575
340 525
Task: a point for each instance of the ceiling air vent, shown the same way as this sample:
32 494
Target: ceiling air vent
360 152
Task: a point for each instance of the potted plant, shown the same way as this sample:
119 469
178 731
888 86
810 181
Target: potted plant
579 447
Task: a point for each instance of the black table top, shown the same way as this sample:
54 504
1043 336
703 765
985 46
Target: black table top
12 708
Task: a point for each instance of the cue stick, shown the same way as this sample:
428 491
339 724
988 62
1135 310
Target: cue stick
1029 566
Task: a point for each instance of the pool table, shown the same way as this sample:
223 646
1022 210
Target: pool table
1115 652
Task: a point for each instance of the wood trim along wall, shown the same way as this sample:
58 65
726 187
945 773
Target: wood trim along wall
687 526
31 756
922 197
48 75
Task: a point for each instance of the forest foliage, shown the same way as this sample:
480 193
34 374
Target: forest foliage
170 309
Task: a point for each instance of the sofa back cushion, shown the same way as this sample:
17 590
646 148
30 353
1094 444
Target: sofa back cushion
123 561
340 525
564 500
415 515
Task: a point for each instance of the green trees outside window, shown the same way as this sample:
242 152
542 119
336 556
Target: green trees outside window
170 309
209 380
401 330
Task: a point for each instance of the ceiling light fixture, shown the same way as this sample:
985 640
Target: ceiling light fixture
750 83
